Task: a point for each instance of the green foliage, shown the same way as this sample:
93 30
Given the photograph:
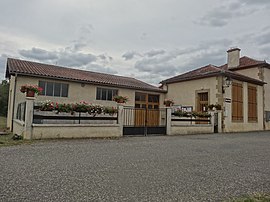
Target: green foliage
4 89
35 88
212 106
192 114
120 99
82 106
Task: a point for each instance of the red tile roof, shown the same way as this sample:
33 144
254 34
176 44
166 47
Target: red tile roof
245 62
209 71
22 67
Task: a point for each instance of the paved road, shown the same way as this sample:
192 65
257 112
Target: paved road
180 168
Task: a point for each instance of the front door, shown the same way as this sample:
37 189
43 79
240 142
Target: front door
202 103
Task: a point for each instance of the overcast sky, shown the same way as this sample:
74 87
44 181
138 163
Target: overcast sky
150 40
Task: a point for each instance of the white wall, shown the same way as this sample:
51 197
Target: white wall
184 93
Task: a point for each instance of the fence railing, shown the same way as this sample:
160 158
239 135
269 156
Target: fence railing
190 120
20 115
47 117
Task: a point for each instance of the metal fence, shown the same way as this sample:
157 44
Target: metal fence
20 115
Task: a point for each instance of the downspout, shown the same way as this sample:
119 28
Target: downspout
14 94
264 115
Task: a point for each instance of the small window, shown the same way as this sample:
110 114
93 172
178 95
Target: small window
42 84
49 89
57 89
64 90
53 89
153 98
98 95
106 94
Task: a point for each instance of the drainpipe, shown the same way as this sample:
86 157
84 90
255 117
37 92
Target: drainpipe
13 108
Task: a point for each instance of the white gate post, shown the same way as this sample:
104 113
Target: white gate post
29 111
121 118
169 121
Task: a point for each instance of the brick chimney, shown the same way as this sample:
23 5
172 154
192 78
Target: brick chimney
233 57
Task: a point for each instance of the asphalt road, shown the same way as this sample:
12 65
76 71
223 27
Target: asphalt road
180 168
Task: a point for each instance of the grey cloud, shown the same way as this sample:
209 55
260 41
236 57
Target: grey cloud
99 68
75 59
105 57
160 67
130 55
160 64
214 57
63 57
38 54
263 38
152 53
221 16
143 36
258 2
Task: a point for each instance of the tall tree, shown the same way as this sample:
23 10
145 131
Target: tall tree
4 89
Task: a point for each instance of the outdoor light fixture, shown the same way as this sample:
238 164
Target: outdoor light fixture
228 81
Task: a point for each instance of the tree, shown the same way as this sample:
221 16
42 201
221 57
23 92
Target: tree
4 89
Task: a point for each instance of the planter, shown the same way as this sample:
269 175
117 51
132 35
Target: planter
30 93
120 101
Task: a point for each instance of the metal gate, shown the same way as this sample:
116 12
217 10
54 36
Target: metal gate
215 122
141 121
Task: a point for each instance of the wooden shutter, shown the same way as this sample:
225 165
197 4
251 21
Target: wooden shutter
237 102
252 104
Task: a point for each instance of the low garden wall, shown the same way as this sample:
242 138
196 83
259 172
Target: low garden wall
191 129
45 131
189 125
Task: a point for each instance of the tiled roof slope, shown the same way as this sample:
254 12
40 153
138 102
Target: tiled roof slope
245 62
16 66
209 71
197 73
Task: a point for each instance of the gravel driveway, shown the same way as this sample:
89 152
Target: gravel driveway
180 168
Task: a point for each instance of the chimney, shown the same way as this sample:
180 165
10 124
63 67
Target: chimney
233 57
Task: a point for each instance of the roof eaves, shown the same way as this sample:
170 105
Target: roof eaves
90 82
243 78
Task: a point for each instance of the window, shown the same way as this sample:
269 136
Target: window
106 94
53 89
237 102
252 104
147 101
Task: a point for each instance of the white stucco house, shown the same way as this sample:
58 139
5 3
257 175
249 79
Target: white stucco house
241 87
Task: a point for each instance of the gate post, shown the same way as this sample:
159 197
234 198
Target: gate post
213 121
29 111
168 120
121 119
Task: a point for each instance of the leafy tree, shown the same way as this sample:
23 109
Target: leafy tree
4 89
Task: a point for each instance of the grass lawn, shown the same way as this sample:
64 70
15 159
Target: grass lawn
6 140
253 198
